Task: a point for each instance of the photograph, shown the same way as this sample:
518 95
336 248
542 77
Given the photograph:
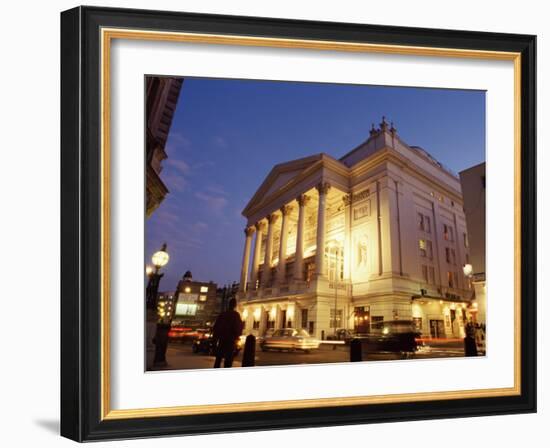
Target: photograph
291 223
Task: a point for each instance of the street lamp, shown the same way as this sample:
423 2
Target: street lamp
159 259
468 270
154 317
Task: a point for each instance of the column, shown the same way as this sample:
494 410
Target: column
281 268
271 219
246 258
347 237
257 248
299 257
320 268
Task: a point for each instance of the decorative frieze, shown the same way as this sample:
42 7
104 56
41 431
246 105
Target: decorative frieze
356 197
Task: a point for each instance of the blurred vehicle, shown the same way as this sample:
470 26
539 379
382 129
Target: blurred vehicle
206 344
268 333
395 336
289 339
179 333
341 334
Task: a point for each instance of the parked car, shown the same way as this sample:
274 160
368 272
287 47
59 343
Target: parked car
396 336
289 339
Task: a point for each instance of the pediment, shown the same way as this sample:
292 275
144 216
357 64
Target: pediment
279 176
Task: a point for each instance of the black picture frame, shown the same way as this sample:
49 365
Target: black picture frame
81 381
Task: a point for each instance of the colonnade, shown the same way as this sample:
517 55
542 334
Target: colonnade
268 223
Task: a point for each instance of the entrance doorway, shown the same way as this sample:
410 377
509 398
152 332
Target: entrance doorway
361 319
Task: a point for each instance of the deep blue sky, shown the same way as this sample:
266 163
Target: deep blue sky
227 134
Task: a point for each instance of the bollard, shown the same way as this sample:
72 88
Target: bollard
249 353
161 344
355 350
470 348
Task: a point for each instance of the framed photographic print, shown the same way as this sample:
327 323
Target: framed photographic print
276 224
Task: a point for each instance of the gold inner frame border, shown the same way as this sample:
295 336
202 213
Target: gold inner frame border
107 35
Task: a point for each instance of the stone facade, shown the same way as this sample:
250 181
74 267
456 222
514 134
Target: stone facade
162 97
389 222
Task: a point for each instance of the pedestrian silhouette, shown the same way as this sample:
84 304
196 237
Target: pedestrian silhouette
227 329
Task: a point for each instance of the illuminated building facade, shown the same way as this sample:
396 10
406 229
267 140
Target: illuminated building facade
376 235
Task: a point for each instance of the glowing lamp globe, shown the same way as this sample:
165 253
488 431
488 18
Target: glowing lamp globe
468 269
161 257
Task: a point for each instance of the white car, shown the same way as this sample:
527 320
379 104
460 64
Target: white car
289 339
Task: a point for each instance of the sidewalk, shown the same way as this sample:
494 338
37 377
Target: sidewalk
181 357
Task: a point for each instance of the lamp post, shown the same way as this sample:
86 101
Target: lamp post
159 260
336 275
468 271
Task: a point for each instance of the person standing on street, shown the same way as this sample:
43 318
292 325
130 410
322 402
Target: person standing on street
227 329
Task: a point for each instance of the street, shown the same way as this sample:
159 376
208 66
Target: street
180 355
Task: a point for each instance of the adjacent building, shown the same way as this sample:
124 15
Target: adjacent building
166 305
162 95
196 303
473 191
377 235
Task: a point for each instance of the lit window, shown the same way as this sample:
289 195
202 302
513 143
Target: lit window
422 247
202 298
186 309
204 288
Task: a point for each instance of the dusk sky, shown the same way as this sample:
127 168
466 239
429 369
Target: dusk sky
227 135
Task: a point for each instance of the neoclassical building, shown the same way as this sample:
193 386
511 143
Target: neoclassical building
378 234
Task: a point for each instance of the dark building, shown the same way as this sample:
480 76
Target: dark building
162 98
196 304
473 190
225 294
